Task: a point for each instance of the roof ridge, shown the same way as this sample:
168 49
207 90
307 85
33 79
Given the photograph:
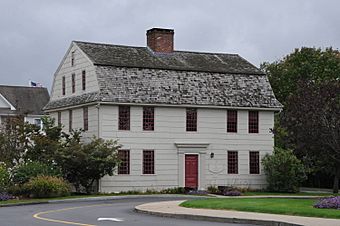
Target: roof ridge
21 86
108 44
145 47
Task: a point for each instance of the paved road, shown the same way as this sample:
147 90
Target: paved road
87 214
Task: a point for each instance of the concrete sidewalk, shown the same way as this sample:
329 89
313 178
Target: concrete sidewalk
172 209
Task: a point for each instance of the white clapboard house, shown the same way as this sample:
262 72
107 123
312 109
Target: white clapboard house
185 119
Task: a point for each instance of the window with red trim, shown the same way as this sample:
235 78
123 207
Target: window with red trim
83 80
63 85
73 83
148 162
232 162
124 165
254 162
148 118
191 122
253 122
86 118
59 118
232 121
70 120
124 118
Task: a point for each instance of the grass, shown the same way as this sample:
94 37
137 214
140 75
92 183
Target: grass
286 206
287 194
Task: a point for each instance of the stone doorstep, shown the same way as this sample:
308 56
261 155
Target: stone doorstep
172 209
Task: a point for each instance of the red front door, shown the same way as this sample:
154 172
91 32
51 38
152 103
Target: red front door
191 171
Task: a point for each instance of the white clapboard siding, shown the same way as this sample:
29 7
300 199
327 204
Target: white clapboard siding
77 120
170 129
81 63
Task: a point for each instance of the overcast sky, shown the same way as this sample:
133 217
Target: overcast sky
36 34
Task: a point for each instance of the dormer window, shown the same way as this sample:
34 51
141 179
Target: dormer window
72 59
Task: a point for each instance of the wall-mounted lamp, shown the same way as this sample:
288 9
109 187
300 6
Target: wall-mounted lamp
212 155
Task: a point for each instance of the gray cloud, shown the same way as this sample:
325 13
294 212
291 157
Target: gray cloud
36 34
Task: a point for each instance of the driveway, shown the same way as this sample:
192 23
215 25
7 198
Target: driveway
113 212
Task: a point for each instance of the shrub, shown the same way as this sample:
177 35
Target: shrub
213 189
4 178
4 196
18 190
47 186
24 172
284 171
176 190
197 192
328 203
231 193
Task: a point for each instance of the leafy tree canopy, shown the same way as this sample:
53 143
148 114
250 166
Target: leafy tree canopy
308 64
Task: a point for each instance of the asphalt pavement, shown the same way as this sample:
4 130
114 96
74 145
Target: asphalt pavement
93 213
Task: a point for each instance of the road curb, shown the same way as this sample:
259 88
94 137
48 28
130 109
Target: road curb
216 219
91 199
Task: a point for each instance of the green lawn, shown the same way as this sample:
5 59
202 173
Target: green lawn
287 194
298 207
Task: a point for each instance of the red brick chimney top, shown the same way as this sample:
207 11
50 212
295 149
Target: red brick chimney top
160 40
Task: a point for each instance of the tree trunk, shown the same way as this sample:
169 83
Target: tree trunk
336 181
336 185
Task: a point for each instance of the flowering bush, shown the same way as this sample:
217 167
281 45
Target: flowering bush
4 178
328 203
231 193
4 196
197 192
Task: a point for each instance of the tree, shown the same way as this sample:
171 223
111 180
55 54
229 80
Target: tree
283 170
14 140
307 64
288 78
44 143
313 118
84 163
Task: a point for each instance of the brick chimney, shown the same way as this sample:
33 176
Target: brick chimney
160 40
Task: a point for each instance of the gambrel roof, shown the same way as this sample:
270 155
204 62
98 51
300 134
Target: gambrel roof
25 100
138 75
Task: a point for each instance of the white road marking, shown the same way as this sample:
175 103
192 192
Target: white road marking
109 219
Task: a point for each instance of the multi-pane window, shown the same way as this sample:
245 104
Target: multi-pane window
124 165
253 122
254 162
83 80
191 123
124 118
148 118
73 83
72 59
70 120
63 85
232 121
232 162
59 118
86 118
148 162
